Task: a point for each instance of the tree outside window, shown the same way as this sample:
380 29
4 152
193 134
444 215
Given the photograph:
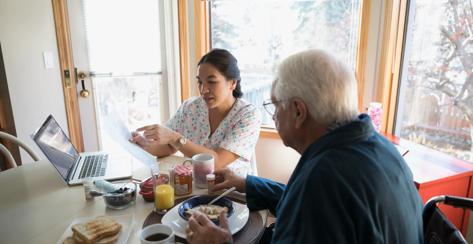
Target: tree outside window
435 103
262 33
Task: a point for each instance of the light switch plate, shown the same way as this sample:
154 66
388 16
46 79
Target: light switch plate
48 60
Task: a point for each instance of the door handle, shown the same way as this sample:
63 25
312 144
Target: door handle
81 76
84 92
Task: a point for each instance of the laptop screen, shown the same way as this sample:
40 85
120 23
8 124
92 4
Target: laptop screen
57 147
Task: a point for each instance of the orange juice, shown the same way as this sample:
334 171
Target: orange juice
164 197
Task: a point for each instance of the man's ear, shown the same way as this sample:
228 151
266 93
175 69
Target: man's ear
301 112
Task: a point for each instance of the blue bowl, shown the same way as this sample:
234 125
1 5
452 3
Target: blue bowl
202 200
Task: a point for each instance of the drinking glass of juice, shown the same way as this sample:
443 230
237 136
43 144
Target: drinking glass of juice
163 198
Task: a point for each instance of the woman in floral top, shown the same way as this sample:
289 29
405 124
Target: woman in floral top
218 122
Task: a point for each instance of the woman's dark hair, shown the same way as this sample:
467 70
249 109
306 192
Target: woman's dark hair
226 64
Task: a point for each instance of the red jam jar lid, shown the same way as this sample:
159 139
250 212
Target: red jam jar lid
147 183
182 170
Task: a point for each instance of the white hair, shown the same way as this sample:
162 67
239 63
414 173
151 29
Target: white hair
325 84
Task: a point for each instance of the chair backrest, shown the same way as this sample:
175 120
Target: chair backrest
8 155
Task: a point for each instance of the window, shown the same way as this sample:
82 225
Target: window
435 99
262 33
125 69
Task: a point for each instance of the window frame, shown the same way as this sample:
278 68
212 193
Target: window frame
397 40
390 65
202 46
66 62
182 10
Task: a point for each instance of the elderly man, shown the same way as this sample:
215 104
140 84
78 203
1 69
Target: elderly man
350 185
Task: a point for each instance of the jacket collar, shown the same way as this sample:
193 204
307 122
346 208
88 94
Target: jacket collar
358 129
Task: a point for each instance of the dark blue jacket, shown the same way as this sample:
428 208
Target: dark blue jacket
350 186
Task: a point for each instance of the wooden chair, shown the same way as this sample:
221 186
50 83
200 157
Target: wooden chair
8 155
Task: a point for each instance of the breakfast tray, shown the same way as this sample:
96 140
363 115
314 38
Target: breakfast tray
250 233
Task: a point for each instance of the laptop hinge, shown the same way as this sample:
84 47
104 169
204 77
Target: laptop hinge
72 171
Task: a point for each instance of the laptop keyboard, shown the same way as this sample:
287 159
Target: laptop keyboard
94 166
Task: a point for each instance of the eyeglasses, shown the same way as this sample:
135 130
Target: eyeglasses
270 106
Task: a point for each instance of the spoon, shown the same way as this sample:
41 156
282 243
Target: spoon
221 195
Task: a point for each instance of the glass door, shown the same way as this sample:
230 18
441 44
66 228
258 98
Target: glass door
117 49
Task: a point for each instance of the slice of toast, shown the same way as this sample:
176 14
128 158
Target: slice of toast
105 240
96 229
70 240
108 239
77 239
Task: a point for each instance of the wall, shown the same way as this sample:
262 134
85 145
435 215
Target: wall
274 160
26 31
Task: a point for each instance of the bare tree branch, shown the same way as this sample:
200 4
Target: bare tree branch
468 24
468 12
468 40
454 45
449 35
466 84
454 5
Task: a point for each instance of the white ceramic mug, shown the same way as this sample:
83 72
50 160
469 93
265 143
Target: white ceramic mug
162 234
202 165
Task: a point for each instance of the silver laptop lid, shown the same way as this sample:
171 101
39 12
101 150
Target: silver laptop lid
57 147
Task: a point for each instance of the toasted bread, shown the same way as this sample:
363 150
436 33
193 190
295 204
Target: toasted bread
77 239
69 240
96 230
105 240
108 239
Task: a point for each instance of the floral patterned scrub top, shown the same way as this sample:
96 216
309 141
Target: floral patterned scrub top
238 132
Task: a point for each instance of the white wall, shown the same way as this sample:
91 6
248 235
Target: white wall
274 160
26 31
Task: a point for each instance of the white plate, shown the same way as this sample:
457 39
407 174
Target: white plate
236 222
125 220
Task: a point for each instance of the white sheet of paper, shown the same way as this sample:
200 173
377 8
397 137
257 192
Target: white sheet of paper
117 130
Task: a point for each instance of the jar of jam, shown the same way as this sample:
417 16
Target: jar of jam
181 176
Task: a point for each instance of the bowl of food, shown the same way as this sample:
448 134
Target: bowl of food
122 197
200 203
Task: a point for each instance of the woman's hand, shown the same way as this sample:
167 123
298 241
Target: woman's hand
147 145
159 134
226 178
155 139
202 230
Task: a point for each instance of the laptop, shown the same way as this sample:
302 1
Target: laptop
73 166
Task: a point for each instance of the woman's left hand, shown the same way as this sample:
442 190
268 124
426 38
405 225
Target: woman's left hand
159 134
